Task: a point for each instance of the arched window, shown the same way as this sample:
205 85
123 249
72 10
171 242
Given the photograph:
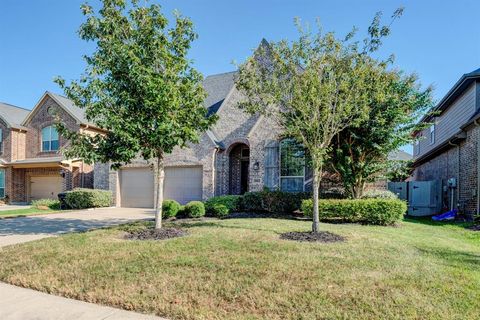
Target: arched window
292 166
50 141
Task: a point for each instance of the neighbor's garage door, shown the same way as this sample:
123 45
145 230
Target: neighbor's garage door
47 187
136 187
183 184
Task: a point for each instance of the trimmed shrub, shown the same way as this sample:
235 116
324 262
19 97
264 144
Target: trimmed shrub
170 208
274 201
220 210
45 204
367 211
231 202
82 198
195 209
379 194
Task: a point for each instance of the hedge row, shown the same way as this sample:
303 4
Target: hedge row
82 198
367 211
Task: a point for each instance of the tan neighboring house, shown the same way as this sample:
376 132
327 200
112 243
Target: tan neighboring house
450 148
31 165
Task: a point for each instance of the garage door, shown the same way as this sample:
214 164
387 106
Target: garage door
183 184
136 187
45 187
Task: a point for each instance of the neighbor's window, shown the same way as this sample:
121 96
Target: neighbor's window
50 140
292 166
432 134
2 183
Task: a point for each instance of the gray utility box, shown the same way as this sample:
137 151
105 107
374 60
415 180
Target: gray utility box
425 198
400 189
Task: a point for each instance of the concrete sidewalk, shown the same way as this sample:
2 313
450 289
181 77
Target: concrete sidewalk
25 304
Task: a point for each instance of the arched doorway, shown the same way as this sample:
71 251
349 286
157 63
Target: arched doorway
239 160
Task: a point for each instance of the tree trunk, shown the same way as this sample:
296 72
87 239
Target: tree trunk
159 178
358 188
317 176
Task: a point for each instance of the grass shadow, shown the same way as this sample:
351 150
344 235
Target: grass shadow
452 257
428 221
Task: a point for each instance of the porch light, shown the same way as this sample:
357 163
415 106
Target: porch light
256 166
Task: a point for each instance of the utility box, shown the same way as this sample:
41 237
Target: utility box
400 189
424 198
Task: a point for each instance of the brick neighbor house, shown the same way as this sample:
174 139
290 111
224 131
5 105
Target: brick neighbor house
31 166
450 147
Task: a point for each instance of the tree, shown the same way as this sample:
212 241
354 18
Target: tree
398 170
314 87
360 153
138 86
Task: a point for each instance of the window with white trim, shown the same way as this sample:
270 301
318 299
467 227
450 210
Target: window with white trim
2 183
432 134
292 166
50 141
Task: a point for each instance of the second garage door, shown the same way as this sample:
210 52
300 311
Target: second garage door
136 187
183 184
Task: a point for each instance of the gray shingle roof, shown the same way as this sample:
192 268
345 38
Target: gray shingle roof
68 104
400 155
217 87
13 115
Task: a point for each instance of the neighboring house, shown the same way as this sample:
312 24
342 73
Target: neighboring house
450 147
31 166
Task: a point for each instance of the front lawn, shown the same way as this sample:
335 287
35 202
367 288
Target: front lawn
240 269
24 212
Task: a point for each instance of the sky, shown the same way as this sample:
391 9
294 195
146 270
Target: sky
437 40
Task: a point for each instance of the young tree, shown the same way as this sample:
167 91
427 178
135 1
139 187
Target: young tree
139 86
360 153
314 87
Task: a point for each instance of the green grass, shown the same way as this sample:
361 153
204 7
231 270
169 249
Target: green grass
240 269
24 212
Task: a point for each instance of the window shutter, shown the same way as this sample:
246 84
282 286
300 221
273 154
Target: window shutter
272 170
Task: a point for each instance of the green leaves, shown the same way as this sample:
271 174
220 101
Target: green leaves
139 86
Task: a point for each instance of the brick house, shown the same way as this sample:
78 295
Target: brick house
450 147
31 166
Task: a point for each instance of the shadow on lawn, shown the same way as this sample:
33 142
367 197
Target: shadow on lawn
428 221
453 257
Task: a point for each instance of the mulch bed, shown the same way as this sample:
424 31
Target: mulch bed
474 228
322 236
154 234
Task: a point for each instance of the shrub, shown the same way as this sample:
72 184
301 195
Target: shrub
220 210
195 209
368 211
274 201
45 204
379 194
232 203
81 198
170 208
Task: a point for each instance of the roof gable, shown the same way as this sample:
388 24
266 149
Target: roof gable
12 115
218 87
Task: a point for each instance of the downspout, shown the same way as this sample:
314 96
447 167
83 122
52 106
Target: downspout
478 165
214 171
458 171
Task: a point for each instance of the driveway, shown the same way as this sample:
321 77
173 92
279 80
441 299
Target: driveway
18 230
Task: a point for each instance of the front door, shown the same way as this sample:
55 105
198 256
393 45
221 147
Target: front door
244 176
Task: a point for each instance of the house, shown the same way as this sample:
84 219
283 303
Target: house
240 153
450 147
31 166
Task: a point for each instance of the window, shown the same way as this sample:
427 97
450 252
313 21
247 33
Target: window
292 166
2 183
50 139
1 140
432 134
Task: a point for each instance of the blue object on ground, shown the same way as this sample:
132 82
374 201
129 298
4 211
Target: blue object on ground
449 215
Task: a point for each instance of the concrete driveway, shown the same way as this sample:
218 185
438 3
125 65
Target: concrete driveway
18 230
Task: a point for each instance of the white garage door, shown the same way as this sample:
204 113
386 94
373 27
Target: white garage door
47 187
183 184
136 187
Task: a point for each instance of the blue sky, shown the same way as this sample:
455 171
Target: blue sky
438 40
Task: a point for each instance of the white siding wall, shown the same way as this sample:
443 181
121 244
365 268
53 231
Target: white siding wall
449 122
